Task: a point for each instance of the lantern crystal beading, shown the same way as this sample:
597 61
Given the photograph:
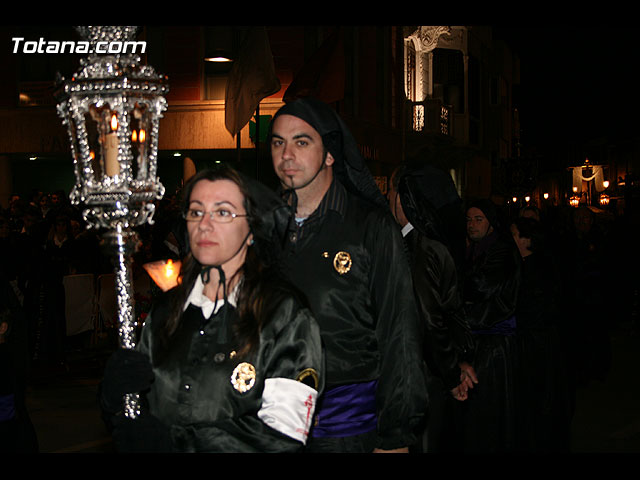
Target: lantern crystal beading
112 108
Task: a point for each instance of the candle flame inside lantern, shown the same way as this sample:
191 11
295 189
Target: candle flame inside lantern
164 273
114 122
143 135
134 136
168 269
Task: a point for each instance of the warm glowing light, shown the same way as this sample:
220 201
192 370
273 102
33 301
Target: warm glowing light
604 199
546 196
606 184
143 135
114 122
527 198
574 201
134 136
575 189
168 268
218 59
515 199
164 273
92 154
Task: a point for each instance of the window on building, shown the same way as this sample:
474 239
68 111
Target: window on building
410 61
448 78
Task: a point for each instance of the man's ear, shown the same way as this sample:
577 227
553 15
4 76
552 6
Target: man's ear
328 159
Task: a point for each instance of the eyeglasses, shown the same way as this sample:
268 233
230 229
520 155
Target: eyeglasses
219 216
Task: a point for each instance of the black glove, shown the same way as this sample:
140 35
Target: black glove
143 434
126 371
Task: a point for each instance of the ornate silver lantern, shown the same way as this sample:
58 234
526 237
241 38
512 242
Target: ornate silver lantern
112 108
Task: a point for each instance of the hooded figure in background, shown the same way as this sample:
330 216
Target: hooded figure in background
427 207
490 283
345 252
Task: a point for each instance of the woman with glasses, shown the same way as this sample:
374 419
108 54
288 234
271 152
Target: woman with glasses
230 359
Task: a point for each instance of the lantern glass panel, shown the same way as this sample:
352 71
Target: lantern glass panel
95 146
107 125
140 122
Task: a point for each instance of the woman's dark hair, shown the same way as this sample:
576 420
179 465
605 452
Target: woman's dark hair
261 288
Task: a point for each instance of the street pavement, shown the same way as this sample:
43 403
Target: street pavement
62 403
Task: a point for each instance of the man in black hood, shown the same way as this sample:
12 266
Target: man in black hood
490 280
344 251
427 207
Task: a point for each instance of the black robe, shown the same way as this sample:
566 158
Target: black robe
448 339
487 419
195 392
543 398
367 314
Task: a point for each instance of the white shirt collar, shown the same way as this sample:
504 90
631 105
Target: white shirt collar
208 306
406 229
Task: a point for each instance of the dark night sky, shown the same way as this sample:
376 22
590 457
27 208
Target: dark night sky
577 81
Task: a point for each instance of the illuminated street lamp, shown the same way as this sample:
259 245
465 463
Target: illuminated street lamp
604 198
112 108
574 201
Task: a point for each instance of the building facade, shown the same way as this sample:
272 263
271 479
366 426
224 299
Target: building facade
442 95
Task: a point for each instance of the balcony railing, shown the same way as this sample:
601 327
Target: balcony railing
431 116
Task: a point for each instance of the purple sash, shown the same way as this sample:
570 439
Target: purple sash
346 410
7 407
506 327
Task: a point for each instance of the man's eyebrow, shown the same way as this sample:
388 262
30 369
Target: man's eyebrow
295 137
302 135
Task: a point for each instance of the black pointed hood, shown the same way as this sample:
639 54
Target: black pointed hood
432 205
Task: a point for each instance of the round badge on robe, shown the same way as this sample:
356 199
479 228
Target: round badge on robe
243 377
342 262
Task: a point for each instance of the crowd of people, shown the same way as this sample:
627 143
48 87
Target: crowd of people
521 304
43 237
325 317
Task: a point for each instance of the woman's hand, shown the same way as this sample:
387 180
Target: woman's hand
126 371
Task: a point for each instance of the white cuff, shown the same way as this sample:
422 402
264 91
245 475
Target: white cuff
288 406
